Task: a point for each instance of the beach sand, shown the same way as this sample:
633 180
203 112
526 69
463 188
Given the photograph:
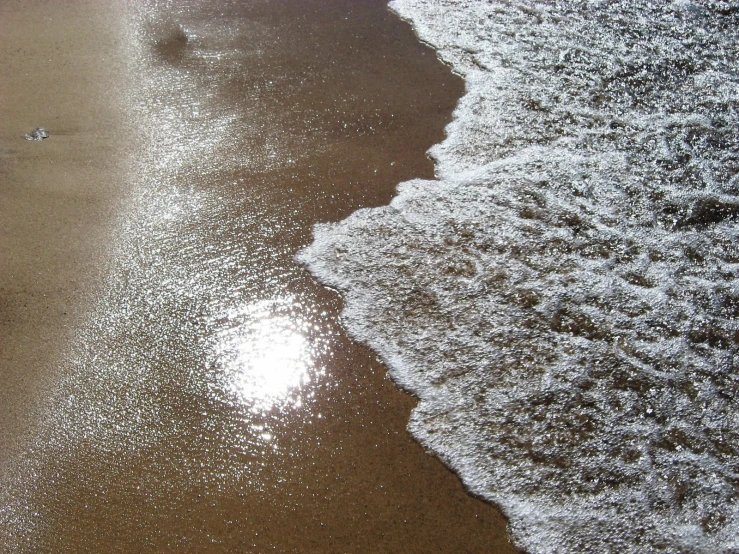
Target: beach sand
61 70
193 146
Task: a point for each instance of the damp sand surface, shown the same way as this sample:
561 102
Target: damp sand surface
170 379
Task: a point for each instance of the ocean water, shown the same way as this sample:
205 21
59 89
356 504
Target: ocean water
564 298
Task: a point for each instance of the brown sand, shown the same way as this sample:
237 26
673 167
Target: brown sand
191 152
57 198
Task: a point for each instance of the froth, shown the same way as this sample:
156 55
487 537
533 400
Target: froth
564 299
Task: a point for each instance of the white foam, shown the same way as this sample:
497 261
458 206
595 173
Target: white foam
564 299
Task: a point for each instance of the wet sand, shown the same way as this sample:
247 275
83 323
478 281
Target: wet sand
170 379
57 198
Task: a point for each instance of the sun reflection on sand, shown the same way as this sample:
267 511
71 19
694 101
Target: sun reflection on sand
268 354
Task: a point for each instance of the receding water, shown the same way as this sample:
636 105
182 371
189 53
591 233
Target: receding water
210 401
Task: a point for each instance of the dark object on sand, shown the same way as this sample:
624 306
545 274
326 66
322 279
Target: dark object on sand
39 133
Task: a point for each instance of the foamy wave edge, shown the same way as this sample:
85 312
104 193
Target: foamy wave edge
631 498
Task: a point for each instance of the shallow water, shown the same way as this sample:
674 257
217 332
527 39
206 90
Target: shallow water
563 299
210 401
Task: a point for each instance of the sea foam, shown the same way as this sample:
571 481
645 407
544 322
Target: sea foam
564 299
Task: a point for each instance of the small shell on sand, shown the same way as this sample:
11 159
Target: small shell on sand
39 133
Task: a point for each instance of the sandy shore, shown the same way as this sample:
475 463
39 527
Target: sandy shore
148 271
62 68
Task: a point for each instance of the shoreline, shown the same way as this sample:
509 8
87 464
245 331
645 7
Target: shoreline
141 426
540 296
